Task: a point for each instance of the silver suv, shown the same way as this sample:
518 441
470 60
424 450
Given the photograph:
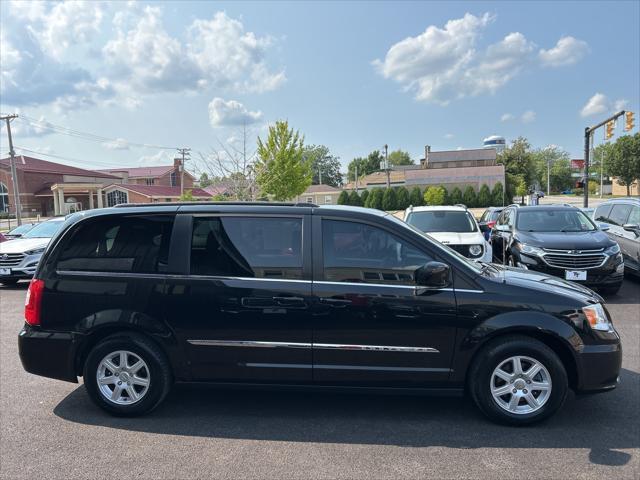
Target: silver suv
620 218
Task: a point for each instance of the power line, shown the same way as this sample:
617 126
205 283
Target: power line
70 159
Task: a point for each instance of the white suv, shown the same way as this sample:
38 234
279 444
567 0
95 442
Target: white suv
453 226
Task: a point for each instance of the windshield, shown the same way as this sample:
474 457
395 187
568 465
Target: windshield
21 229
443 221
44 230
554 221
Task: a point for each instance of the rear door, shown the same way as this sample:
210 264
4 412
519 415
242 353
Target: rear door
242 310
621 214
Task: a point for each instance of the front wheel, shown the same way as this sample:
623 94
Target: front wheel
127 375
518 380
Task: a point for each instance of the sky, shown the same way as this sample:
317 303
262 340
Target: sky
101 84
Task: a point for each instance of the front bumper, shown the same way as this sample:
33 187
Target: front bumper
18 270
48 354
599 367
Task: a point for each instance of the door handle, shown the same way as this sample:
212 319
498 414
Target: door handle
289 301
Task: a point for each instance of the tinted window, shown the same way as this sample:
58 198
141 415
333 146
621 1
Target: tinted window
554 221
602 213
356 252
119 244
247 247
619 214
443 221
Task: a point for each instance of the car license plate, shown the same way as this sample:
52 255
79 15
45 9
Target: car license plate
575 274
5 271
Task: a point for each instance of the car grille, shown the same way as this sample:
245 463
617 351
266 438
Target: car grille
574 259
11 259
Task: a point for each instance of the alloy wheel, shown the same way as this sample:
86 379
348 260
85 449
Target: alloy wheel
123 377
520 385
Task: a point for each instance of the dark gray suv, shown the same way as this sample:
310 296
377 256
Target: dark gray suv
621 219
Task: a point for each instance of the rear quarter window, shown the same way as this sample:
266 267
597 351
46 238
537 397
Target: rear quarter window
119 244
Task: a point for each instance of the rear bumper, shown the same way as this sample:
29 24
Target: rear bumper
599 367
48 354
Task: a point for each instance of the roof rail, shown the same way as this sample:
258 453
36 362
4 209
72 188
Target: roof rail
461 205
517 205
266 204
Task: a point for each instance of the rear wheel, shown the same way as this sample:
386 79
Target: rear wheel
518 380
127 375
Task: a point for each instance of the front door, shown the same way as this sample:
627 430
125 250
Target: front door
243 311
372 327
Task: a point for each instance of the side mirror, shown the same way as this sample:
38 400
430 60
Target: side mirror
603 226
632 227
433 275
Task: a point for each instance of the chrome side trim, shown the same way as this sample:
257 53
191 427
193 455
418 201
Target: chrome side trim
376 348
359 284
383 369
248 343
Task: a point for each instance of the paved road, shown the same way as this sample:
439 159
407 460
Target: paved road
49 429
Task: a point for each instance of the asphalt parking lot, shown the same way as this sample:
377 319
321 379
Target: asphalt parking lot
50 429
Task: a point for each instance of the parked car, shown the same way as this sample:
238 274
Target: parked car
19 258
588 212
134 298
561 241
454 226
488 220
19 231
621 218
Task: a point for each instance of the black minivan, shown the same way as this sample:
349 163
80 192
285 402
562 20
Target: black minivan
135 298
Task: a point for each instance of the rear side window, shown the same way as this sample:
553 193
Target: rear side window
602 213
263 247
634 217
119 244
619 214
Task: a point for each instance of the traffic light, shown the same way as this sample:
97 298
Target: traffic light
609 128
628 121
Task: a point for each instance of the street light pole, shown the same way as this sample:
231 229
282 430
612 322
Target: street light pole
386 164
14 173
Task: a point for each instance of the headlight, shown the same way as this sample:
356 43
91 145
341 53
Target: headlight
531 250
475 250
597 318
36 251
613 249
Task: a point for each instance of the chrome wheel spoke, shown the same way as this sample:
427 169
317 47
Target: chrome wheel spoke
517 366
143 382
542 386
133 395
112 367
107 380
503 390
123 360
513 402
533 370
136 366
503 375
531 400
117 393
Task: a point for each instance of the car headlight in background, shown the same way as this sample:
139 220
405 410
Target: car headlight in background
613 249
475 250
531 250
597 318
36 251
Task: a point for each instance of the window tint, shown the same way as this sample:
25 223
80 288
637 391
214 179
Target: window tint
247 247
619 214
119 244
634 217
443 221
602 213
356 252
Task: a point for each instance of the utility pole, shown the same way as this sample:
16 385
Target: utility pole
14 173
386 164
356 177
185 154
588 138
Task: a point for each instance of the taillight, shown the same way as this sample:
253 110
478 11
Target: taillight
491 224
33 302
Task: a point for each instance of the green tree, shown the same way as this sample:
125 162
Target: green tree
521 188
456 196
400 157
375 198
559 163
363 196
389 199
497 195
625 164
205 181
469 197
323 165
519 164
593 187
365 166
187 196
447 198
402 198
602 159
354 199
281 169
484 197
415 197
434 196
343 198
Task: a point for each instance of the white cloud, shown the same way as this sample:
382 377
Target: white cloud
449 136
568 51
117 144
506 117
223 113
528 116
444 64
160 158
599 104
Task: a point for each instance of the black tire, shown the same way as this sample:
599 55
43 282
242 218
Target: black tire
159 373
501 349
7 283
610 290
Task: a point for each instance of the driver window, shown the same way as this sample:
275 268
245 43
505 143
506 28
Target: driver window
357 252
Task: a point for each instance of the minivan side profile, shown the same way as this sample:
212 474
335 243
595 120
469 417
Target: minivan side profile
135 298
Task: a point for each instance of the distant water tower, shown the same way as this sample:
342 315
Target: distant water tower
494 141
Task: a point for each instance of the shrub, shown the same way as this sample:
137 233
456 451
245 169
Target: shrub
389 199
456 196
343 199
434 196
354 199
497 195
484 197
469 197
415 198
593 187
376 198
363 196
402 198
447 198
